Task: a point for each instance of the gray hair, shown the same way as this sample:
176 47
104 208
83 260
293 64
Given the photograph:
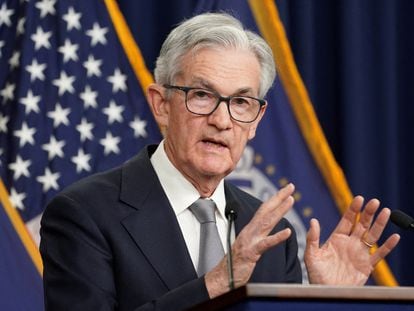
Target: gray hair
212 30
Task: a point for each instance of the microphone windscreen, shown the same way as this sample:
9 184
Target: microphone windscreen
401 219
231 209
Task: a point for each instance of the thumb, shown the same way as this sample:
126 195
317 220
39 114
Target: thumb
313 236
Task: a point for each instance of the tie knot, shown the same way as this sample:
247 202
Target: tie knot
204 210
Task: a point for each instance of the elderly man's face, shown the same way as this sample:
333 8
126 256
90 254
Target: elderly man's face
211 146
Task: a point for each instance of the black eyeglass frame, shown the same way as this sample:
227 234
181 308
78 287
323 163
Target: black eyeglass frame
220 99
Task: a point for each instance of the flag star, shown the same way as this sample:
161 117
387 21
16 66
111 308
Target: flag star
69 51
26 135
110 143
72 19
49 180
14 61
81 161
59 115
46 7
85 130
114 112
41 38
64 83
7 92
3 123
20 26
138 126
20 168
16 199
118 81
1 45
54 148
5 15
97 34
89 97
92 66
30 102
36 70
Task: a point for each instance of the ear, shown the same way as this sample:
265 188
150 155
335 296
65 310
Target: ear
159 105
253 126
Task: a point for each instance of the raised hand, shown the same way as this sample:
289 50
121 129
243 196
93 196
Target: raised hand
346 257
252 242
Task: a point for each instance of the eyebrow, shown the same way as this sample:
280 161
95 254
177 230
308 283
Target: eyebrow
207 85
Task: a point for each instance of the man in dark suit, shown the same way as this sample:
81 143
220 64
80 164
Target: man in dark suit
128 239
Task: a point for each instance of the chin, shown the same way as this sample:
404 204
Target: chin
216 171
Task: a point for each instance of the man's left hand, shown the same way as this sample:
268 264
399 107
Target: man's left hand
347 257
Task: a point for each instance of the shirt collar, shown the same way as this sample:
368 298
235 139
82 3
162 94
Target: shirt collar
180 192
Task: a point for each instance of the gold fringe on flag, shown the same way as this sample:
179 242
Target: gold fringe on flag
21 229
131 49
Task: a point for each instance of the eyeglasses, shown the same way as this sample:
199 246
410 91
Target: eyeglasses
204 102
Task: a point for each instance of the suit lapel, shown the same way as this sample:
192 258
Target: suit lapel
244 213
153 225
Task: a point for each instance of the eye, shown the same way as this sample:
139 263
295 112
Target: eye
240 101
201 94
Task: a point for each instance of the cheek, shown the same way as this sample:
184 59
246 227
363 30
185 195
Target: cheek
241 138
237 154
179 131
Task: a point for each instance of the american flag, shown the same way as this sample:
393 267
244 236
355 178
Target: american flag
70 104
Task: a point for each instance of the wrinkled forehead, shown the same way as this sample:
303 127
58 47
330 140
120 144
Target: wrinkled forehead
230 70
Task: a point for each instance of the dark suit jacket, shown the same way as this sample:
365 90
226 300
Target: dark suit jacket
112 242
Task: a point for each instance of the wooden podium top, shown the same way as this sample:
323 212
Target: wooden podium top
310 292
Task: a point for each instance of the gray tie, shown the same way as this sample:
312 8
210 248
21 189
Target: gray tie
211 249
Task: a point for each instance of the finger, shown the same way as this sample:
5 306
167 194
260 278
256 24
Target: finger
265 222
385 249
278 198
347 221
275 208
313 236
366 218
273 240
374 233
268 216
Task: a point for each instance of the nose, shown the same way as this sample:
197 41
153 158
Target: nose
220 117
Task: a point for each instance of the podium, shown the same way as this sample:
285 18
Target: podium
296 297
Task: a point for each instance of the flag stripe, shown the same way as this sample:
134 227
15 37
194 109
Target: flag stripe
20 228
272 29
131 49
267 18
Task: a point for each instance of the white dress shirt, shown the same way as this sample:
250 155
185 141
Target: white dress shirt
181 194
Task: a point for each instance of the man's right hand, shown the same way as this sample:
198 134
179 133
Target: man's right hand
252 242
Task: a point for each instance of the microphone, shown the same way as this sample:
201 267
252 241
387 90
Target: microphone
231 216
402 220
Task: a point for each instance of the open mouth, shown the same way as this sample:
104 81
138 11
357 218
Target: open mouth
214 143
